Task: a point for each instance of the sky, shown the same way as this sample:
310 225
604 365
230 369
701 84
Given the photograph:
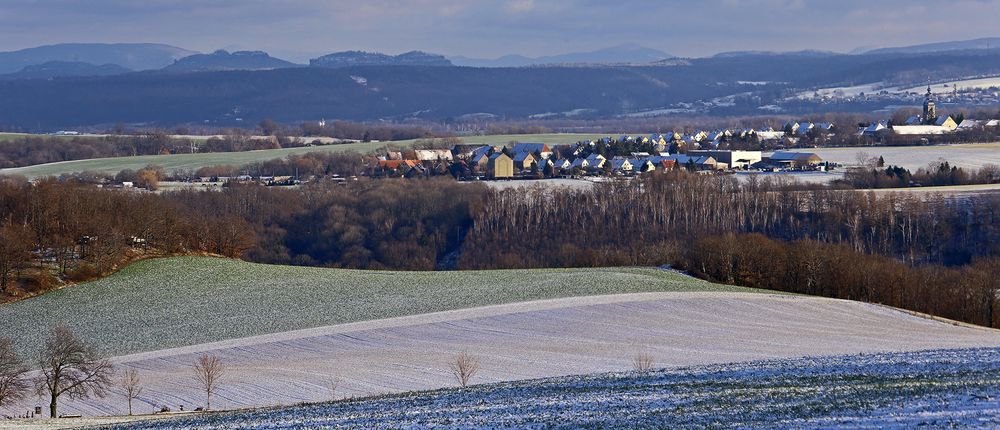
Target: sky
300 29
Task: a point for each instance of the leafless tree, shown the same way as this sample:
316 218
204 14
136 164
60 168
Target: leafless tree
13 386
464 368
207 371
331 386
642 362
131 385
72 367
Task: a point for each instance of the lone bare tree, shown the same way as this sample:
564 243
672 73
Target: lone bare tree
71 367
13 386
642 362
131 385
207 371
465 367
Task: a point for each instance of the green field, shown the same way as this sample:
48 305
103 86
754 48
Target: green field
165 303
195 161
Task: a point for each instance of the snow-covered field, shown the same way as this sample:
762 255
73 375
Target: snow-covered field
584 184
954 389
947 87
528 340
968 156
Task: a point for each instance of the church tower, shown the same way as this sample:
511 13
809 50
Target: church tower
930 108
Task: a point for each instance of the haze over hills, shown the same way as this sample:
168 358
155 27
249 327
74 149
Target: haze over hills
223 60
360 58
621 54
708 86
61 69
960 45
133 56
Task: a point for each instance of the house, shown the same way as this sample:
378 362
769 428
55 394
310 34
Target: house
790 126
532 148
621 165
596 161
804 129
789 159
499 165
562 164
876 129
732 159
719 135
970 124
699 162
770 135
398 164
433 154
480 162
523 161
642 165
580 162
467 151
993 123
946 122
919 130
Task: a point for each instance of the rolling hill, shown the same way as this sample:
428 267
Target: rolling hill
961 45
621 54
935 389
175 302
62 69
134 56
223 60
294 334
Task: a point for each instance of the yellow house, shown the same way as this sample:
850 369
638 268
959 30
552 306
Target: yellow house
500 166
946 122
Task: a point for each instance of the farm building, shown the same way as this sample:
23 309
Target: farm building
732 159
500 165
788 159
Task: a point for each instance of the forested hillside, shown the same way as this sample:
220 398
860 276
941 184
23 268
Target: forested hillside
931 255
445 93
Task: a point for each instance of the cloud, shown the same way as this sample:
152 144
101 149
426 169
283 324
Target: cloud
521 6
490 28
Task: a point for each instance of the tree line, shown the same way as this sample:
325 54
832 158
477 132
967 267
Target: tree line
66 231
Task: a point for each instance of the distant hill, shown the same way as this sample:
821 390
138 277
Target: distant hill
134 56
961 45
621 54
399 93
223 60
360 58
61 69
804 53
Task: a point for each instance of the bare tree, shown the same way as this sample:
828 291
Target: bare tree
131 385
71 367
13 386
331 386
207 371
465 367
642 362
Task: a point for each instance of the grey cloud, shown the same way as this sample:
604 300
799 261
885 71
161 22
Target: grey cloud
496 27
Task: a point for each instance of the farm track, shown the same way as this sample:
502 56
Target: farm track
532 340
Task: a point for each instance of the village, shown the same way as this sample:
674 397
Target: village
624 156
